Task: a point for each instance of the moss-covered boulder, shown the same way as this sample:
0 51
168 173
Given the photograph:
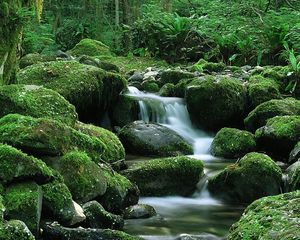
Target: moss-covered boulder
34 58
295 154
208 67
166 176
56 231
15 229
279 135
58 203
215 102
23 201
41 136
139 211
153 139
150 86
90 89
90 47
174 76
98 217
94 61
294 176
261 90
36 101
18 166
83 177
167 90
232 143
259 116
274 217
120 193
113 150
254 176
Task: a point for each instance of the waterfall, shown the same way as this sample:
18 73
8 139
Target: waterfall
172 113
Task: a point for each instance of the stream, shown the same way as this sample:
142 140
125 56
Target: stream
200 214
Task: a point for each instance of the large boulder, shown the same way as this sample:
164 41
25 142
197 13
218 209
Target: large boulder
83 177
18 166
41 136
23 201
166 176
255 175
216 102
174 76
91 90
232 143
274 217
15 229
153 139
279 135
34 58
259 116
36 101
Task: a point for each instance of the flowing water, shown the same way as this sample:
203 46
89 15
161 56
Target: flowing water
200 214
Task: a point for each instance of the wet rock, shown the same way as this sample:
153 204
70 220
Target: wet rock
152 139
98 217
139 211
198 237
208 67
15 230
274 217
174 76
293 176
295 154
136 77
166 176
254 176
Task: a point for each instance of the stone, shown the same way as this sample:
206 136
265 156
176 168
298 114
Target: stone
139 211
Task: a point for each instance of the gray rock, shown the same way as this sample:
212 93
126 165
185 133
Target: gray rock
139 211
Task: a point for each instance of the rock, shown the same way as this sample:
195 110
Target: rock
2 209
274 217
139 211
136 77
167 90
293 177
150 85
215 102
55 231
174 76
17 166
58 203
15 230
90 47
36 101
83 177
113 149
198 237
232 143
98 217
40 137
295 154
34 58
153 139
94 61
209 67
261 90
259 116
279 135
90 89
166 176
23 201
254 176
120 193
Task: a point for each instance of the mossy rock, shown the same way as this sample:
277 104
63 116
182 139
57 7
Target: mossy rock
215 102
261 90
209 67
90 47
23 201
295 154
98 217
34 58
15 229
2 208
232 143
120 193
274 217
174 76
82 176
150 86
254 176
279 135
90 89
139 211
94 61
18 166
113 150
167 90
293 178
58 203
45 137
36 101
153 139
259 116
166 176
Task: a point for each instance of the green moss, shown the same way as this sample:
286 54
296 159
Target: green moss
16 165
254 176
167 90
15 229
34 58
90 47
232 143
150 86
269 218
166 176
174 76
259 116
36 101
2 208
294 178
204 66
